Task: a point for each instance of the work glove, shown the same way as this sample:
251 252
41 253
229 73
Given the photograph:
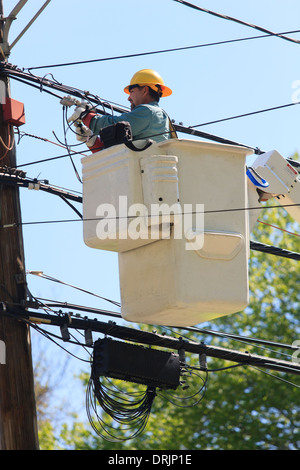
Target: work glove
79 113
85 135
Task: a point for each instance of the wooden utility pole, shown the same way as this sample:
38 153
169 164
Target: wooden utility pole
18 422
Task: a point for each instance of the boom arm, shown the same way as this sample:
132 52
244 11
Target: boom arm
274 176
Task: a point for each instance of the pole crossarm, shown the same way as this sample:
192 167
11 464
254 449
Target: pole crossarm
6 47
153 339
19 179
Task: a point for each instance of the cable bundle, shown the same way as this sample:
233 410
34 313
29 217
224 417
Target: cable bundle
127 413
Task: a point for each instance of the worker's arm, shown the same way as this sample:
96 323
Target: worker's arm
140 119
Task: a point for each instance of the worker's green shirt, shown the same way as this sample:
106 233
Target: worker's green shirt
148 121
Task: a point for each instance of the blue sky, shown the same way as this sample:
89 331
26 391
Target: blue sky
208 83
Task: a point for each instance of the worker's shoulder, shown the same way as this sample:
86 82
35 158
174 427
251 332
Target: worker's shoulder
152 107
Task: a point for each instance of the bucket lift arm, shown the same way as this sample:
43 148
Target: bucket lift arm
273 176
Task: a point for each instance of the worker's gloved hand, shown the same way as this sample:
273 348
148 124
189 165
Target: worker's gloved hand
85 135
80 111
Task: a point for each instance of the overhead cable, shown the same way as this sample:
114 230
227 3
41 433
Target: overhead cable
251 113
244 23
273 250
15 73
195 329
66 305
53 279
11 176
214 211
154 339
44 139
162 51
247 339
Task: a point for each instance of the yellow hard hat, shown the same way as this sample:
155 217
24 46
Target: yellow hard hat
148 77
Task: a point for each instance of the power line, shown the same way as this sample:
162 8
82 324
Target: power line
69 306
274 250
15 73
205 331
279 228
274 108
53 279
247 339
153 339
44 139
66 305
44 160
45 82
16 179
213 211
244 23
162 51
253 245
109 329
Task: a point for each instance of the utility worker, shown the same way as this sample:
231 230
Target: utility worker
146 118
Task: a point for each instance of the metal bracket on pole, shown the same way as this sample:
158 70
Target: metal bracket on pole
5 46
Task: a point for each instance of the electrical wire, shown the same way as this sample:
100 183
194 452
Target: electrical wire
46 308
252 113
261 344
25 134
10 176
53 279
9 146
129 412
16 177
257 246
15 73
66 305
193 398
249 341
276 377
52 337
253 245
235 20
44 82
46 303
140 54
67 146
213 211
45 160
136 416
278 228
